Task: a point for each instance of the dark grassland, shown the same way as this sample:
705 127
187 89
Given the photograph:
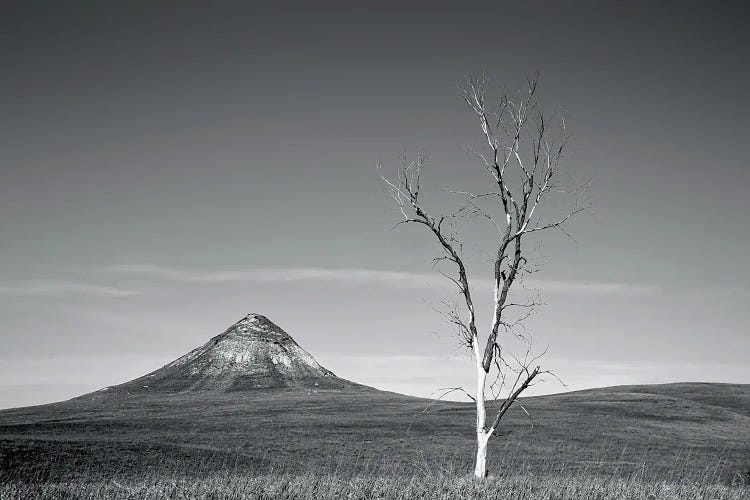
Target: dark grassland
664 441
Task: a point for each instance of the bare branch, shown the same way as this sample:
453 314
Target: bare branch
448 390
509 401
405 193
521 150
527 414
453 317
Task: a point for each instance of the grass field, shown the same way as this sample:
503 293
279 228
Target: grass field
672 441
330 486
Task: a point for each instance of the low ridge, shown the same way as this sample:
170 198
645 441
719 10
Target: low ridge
254 353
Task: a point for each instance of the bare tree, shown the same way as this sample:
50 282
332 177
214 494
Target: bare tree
522 159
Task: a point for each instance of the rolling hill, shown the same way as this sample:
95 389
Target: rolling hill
252 398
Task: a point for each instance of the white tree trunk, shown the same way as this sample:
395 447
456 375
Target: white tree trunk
480 468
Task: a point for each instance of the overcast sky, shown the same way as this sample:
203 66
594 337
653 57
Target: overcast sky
168 167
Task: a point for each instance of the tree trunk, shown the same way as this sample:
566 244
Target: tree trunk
480 468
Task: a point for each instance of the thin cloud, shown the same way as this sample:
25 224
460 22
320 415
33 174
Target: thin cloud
51 288
592 288
281 275
358 276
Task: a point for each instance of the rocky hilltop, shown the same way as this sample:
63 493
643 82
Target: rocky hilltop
252 354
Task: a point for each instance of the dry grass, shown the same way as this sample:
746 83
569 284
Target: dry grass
435 479
362 486
617 443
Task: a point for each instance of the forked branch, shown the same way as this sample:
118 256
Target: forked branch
405 192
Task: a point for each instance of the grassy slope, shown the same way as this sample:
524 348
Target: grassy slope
660 430
735 397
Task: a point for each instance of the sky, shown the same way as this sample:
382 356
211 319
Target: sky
168 167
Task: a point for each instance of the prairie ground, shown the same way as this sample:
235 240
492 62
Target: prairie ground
436 486
673 441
